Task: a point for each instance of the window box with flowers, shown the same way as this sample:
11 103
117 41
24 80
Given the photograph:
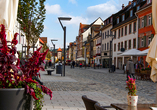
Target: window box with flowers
132 98
17 83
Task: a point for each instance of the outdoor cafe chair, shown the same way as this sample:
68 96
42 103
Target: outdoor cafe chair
89 103
98 107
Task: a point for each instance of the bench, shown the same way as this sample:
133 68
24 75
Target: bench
49 71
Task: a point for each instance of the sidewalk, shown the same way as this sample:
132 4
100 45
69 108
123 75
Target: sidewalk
70 100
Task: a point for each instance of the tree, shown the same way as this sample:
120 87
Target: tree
31 15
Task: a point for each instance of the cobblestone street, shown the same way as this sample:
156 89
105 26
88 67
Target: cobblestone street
99 80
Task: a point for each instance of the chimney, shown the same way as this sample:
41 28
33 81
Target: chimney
122 6
129 2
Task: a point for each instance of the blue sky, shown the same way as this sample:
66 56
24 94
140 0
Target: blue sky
84 11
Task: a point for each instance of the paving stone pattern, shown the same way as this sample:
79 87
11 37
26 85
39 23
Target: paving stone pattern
93 82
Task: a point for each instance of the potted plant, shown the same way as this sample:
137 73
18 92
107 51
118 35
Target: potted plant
132 98
17 83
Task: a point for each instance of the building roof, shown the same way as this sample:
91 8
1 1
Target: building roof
41 41
44 39
59 50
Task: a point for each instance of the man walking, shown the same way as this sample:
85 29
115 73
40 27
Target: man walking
73 63
130 68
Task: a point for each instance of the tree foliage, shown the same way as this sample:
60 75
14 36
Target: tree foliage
31 15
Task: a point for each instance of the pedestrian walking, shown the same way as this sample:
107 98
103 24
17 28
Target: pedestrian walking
130 69
73 64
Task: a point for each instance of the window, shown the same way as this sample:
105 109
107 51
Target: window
119 34
142 42
142 22
134 43
121 44
123 17
149 20
149 40
102 47
114 47
138 7
107 34
148 1
129 28
118 46
108 21
105 22
103 36
111 19
115 34
125 45
134 26
131 13
134 3
105 46
122 32
129 44
117 20
125 30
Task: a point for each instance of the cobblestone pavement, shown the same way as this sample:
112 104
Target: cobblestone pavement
112 84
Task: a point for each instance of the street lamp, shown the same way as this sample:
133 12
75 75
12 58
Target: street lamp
110 61
64 29
54 49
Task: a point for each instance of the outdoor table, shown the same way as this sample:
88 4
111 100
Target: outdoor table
138 107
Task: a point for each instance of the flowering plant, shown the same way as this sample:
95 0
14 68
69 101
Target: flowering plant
12 75
131 87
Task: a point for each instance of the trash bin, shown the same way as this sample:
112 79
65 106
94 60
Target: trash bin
58 69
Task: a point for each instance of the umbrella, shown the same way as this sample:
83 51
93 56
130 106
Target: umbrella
144 52
131 52
152 53
81 59
8 15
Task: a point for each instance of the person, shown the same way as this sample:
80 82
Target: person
73 64
130 69
50 64
80 65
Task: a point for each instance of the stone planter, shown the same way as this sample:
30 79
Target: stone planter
132 100
15 99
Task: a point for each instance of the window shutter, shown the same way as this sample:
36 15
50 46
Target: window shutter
138 42
151 19
152 35
138 22
145 21
144 38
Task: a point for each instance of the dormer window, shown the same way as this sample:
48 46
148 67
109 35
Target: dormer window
138 7
123 16
105 22
148 1
108 21
131 13
117 20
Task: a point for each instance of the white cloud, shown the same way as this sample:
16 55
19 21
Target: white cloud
53 9
76 20
102 10
73 1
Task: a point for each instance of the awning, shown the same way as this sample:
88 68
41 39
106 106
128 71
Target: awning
81 59
131 52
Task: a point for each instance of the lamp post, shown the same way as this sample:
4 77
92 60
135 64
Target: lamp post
110 61
53 50
64 29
